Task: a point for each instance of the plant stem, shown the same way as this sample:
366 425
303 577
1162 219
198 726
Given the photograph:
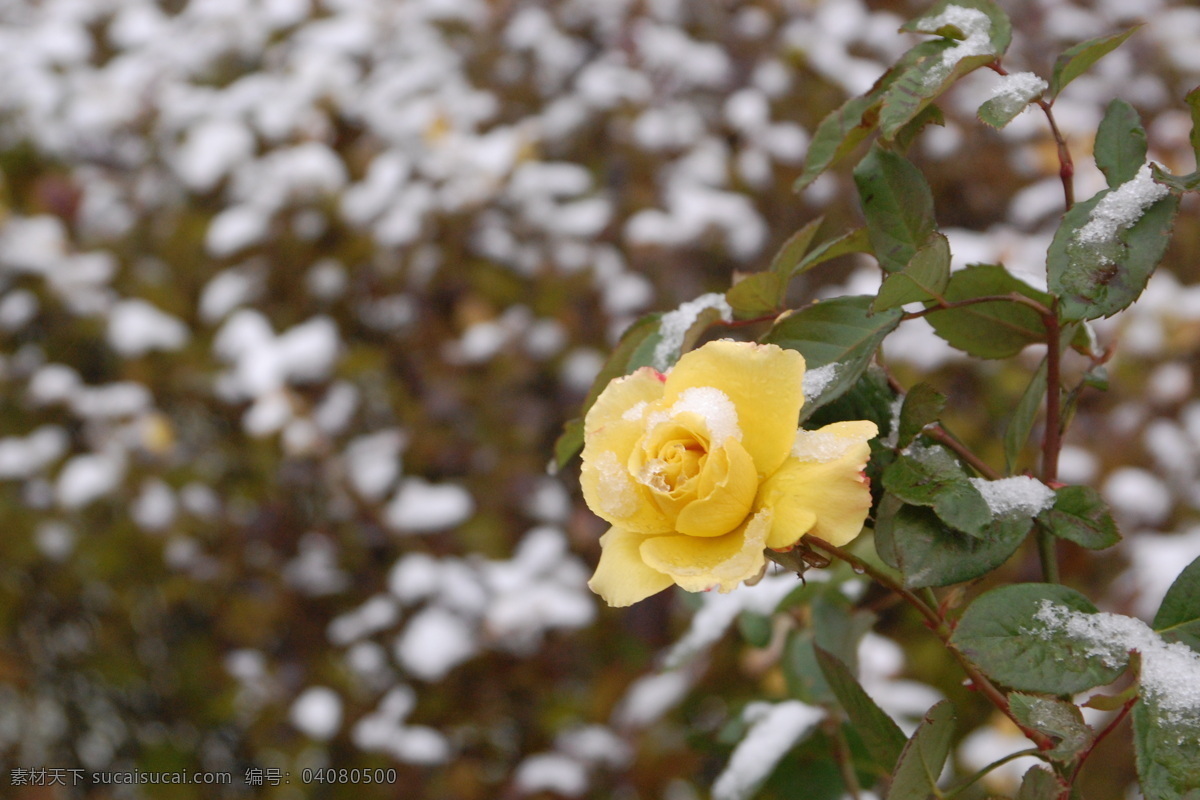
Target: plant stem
940 434
939 626
999 762
944 305
1066 166
1109 728
1052 436
841 753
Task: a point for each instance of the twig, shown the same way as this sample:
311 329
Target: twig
940 434
1066 166
1052 436
999 762
939 626
1109 728
1014 297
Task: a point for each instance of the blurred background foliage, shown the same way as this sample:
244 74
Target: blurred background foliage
295 296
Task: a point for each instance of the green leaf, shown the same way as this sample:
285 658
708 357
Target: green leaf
1077 59
929 115
898 206
569 442
756 295
1099 278
879 733
924 278
1040 783
787 260
931 76
837 628
839 332
1120 147
1002 633
932 477
1190 182
1180 183
913 540
995 329
999 30
840 132
1006 105
848 126
1057 719
924 755
855 241
755 628
1081 516
1168 755
921 85
922 405
635 349
1020 424
1178 618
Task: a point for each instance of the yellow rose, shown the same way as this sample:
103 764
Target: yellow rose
700 469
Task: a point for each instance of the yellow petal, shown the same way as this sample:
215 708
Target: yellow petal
721 562
821 489
764 383
725 490
622 578
612 427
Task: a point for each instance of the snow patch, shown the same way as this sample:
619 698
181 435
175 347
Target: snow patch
674 325
1118 211
712 405
1015 91
774 728
1170 676
1020 494
975 26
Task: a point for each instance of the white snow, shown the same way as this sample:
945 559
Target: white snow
434 642
774 729
1017 90
226 291
25 456
551 772
421 506
710 622
373 462
1137 495
816 380
155 507
1020 494
820 447
977 28
317 712
384 731
1118 210
617 494
1170 673
650 697
88 477
674 325
378 613
711 404
135 328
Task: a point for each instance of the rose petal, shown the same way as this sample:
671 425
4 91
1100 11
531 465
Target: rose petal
721 562
822 490
611 429
725 491
763 381
621 577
